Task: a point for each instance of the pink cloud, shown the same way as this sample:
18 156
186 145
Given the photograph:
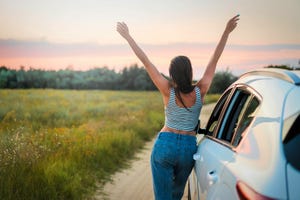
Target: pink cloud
41 54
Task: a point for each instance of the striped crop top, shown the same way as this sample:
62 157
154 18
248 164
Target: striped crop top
179 118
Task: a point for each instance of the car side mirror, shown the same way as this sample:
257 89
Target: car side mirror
201 131
198 129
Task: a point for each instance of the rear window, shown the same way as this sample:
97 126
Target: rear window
238 116
291 142
245 120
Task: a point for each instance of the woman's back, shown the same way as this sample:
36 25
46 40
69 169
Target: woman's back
188 99
181 116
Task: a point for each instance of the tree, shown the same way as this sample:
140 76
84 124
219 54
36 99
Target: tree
279 67
135 78
221 81
3 79
132 78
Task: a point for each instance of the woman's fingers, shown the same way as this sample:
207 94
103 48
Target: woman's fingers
122 27
232 23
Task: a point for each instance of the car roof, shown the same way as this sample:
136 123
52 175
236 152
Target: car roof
291 76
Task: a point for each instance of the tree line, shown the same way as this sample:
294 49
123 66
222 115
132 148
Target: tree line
130 78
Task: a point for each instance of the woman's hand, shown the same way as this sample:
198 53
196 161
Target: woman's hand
231 24
123 30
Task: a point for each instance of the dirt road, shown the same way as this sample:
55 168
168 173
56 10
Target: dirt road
135 183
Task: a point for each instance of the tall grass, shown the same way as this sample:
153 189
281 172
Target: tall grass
57 144
211 98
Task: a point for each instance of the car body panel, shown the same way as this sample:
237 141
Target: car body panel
259 159
293 177
260 149
209 166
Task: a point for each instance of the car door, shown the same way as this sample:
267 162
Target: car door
207 165
229 120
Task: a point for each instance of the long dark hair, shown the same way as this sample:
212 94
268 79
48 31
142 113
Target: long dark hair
181 74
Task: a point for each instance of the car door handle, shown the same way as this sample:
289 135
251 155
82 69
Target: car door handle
212 177
197 156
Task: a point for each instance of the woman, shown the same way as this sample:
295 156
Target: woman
172 154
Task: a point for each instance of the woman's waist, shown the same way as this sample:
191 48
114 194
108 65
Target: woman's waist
181 123
172 130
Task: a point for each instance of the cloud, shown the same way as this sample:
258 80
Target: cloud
44 54
19 48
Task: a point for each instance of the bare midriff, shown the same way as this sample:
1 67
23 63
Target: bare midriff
167 129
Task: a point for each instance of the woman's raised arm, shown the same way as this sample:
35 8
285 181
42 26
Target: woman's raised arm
160 82
205 81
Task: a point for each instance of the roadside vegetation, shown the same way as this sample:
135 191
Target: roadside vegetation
59 144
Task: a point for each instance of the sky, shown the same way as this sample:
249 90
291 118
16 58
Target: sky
81 34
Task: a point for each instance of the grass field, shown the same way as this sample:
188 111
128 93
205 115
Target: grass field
58 144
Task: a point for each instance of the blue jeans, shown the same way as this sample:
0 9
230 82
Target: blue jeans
171 164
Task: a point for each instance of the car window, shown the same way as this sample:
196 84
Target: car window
214 118
237 117
291 143
230 119
245 120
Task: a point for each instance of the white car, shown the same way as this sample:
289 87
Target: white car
251 144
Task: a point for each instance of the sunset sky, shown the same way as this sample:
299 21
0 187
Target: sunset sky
82 34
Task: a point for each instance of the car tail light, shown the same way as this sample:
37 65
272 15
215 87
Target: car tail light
245 192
